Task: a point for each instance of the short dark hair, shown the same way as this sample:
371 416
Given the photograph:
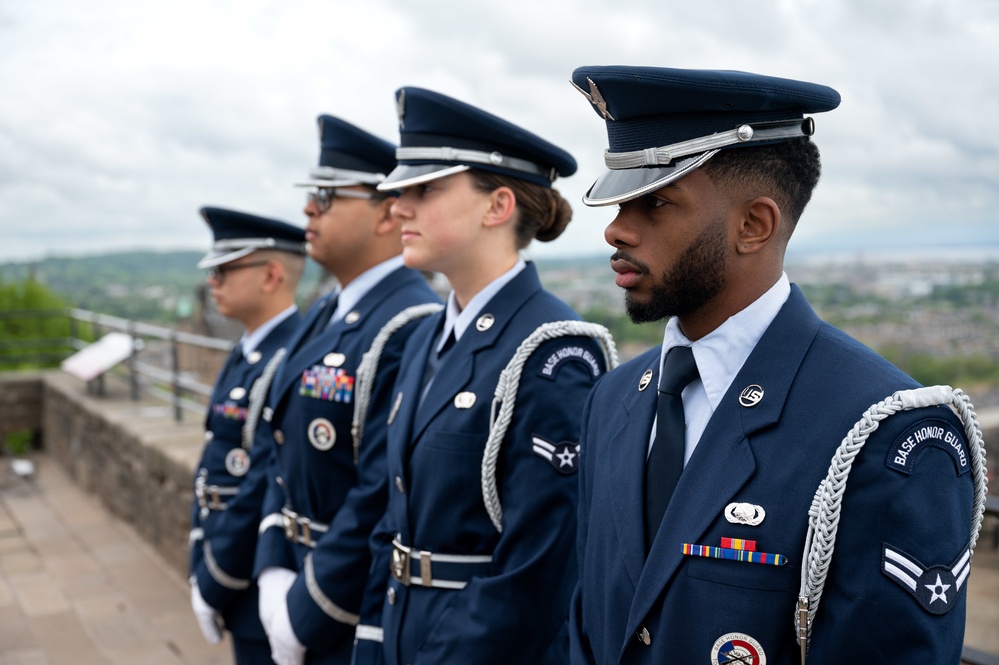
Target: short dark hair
787 172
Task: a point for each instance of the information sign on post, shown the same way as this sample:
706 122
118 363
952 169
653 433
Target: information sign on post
97 358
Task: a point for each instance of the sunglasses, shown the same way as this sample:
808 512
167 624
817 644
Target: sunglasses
218 273
324 196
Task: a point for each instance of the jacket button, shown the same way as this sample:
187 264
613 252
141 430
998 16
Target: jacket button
399 486
644 637
390 594
278 437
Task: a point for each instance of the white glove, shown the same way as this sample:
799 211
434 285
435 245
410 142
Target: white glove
285 647
273 584
208 618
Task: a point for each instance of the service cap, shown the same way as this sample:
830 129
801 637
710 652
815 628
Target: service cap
663 123
348 155
238 234
440 135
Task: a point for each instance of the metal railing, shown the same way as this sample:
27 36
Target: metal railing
166 379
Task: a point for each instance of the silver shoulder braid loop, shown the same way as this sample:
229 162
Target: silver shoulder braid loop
368 368
505 397
258 397
824 513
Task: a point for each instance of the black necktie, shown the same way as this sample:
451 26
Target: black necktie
434 361
323 318
665 463
234 357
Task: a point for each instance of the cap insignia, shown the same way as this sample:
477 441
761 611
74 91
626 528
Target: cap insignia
400 108
595 98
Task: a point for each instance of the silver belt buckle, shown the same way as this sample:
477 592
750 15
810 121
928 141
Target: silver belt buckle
306 537
400 562
290 532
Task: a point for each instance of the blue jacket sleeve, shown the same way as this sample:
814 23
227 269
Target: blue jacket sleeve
906 558
579 646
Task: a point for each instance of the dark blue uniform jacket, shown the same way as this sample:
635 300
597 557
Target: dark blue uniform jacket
312 404
514 608
225 584
816 383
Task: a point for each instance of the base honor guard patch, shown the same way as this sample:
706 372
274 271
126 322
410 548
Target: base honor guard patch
237 462
327 383
322 434
935 588
737 648
928 433
570 354
563 456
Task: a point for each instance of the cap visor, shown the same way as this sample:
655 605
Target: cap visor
618 186
217 258
406 175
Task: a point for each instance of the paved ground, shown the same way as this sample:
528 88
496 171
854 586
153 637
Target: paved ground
79 587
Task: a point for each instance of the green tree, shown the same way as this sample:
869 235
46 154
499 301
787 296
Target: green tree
34 325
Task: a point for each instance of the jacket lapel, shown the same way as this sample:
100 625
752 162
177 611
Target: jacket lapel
457 368
724 461
632 439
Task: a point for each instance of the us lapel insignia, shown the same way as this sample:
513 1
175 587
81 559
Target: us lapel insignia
352 317
254 357
745 513
751 395
485 322
465 400
646 379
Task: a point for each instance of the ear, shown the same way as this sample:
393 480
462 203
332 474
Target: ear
759 225
385 222
274 276
502 205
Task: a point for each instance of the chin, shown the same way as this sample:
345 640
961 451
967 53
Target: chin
413 259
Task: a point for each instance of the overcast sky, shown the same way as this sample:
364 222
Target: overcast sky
120 118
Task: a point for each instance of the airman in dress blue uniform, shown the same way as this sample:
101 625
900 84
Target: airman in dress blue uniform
474 559
254 267
313 555
711 170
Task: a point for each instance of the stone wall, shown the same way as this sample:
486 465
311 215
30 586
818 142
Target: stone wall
130 454
20 404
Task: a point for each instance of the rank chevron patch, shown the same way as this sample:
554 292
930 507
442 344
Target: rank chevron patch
562 456
935 588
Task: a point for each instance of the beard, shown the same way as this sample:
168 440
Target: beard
693 281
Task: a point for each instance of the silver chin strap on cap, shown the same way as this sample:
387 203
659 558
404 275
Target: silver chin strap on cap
824 513
755 133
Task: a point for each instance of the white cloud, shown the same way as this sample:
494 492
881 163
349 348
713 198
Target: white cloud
118 120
